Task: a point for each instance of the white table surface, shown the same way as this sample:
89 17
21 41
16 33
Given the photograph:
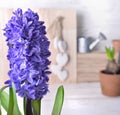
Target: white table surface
81 99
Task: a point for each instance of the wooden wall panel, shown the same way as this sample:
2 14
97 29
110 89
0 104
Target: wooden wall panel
69 35
89 65
5 14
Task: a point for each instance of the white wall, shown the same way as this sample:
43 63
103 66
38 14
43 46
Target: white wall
93 16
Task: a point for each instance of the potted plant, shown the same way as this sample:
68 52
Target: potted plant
110 77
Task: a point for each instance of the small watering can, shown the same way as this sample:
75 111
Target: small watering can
85 45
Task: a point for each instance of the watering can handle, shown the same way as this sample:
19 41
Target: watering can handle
92 45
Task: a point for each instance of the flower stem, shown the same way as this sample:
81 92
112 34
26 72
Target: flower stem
28 107
11 102
24 105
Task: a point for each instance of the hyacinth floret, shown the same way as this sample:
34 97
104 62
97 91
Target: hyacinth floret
28 53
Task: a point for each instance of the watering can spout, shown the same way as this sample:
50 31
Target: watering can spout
85 44
94 43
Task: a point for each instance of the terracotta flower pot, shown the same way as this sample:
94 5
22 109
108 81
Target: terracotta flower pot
116 45
110 84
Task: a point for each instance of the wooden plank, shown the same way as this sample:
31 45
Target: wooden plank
89 65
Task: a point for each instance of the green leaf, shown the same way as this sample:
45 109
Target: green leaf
113 52
110 52
3 88
4 99
58 101
0 111
16 110
36 104
11 102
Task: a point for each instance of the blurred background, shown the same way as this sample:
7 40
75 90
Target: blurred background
93 16
82 92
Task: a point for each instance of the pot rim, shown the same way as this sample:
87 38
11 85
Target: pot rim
103 72
116 40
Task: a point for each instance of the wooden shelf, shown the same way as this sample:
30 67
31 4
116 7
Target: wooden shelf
89 65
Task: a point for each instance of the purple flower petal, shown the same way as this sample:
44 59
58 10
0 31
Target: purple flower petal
28 53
